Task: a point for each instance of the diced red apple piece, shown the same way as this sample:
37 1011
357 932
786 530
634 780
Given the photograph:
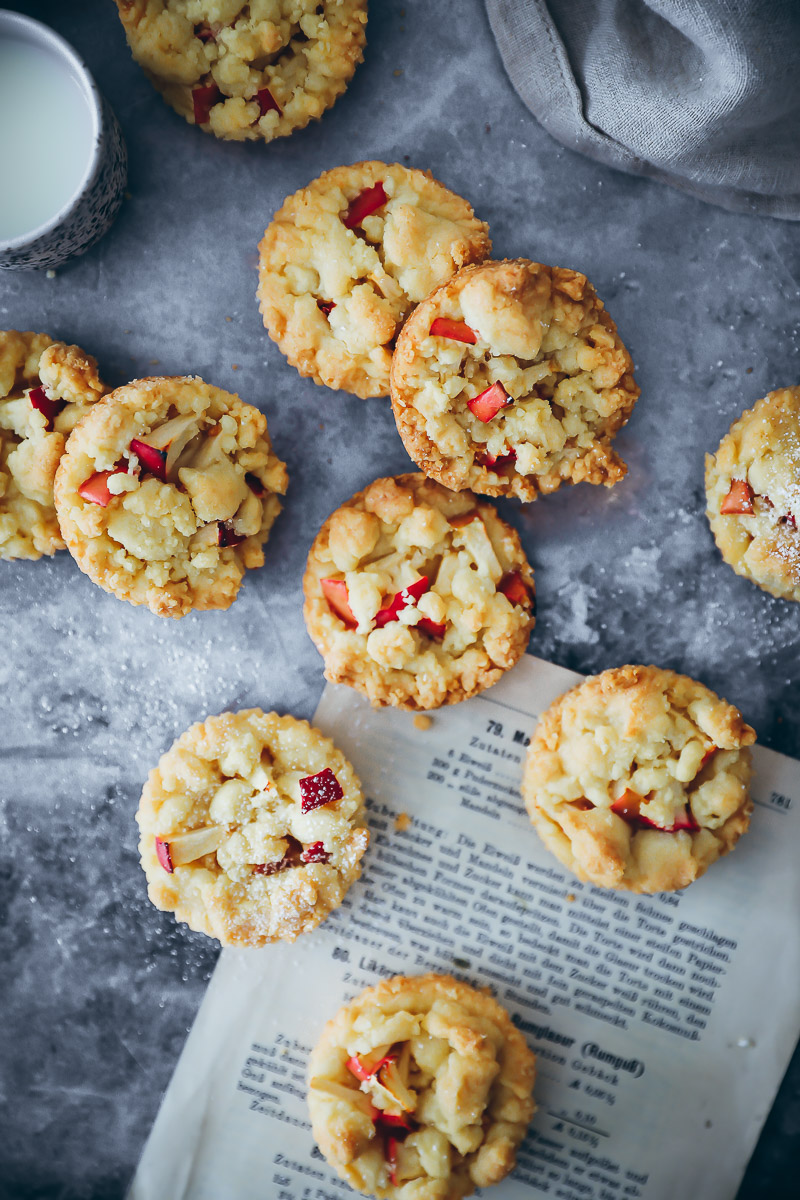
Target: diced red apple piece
498 461
203 100
272 868
183 848
462 519
389 1077
95 488
47 407
204 32
391 1158
400 600
151 458
335 592
228 536
364 204
488 404
318 790
315 853
628 804
326 306
364 1066
267 102
684 820
163 855
393 1120
457 331
739 499
255 484
514 589
432 628
789 520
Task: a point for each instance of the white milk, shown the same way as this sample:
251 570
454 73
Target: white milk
46 138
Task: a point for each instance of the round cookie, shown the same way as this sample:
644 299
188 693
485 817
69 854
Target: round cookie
638 779
45 389
417 596
345 260
167 492
252 828
753 494
421 1086
247 72
511 379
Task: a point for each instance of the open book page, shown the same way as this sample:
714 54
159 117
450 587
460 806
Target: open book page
662 1024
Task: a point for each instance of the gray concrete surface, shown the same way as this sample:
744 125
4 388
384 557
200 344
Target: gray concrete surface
98 989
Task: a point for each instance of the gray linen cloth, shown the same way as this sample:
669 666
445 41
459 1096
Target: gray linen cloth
700 94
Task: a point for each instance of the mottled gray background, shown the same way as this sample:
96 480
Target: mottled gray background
98 989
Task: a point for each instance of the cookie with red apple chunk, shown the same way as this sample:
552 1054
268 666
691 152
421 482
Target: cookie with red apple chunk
45 389
638 779
345 260
417 596
252 828
753 494
247 72
421 1086
167 492
511 379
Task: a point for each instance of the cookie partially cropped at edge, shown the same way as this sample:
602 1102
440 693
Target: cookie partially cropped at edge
753 494
345 260
417 596
45 389
252 828
638 779
167 492
421 1086
511 379
247 72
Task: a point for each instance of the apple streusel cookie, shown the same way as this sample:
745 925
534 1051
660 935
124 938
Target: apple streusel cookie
638 779
345 260
753 494
45 389
252 828
247 72
421 1087
167 492
511 379
417 596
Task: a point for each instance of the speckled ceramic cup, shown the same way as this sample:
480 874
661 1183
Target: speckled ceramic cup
89 212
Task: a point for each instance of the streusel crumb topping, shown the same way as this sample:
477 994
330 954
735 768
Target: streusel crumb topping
252 828
421 1087
511 379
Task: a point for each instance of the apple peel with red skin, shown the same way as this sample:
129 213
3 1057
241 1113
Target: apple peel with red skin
457 331
365 204
47 407
487 405
203 100
318 790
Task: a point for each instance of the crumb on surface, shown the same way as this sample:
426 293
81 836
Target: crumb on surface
422 722
402 822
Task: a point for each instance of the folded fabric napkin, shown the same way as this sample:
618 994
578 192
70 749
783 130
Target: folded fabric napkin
701 94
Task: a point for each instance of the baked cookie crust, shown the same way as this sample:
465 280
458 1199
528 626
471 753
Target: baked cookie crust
421 1087
167 492
252 828
247 72
417 596
753 494
345 260
511 379
638 779
45 389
